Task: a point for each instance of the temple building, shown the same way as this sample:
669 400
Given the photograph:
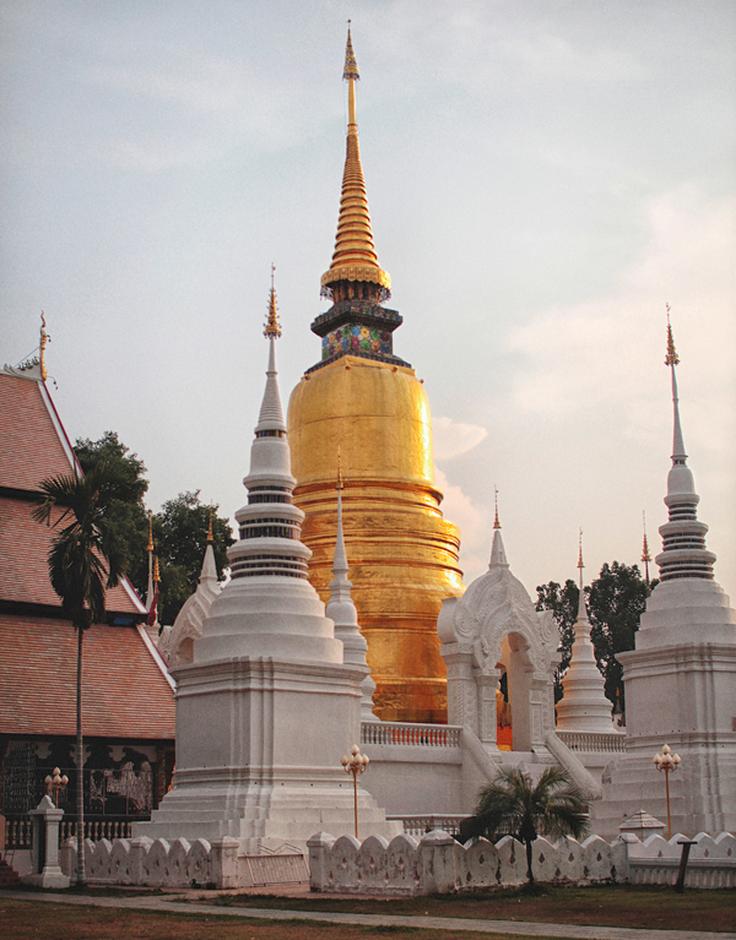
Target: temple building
128 697
362 398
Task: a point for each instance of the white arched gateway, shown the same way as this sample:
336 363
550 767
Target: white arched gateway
501 654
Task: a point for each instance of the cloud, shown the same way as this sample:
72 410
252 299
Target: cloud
453 438
573 357
473 522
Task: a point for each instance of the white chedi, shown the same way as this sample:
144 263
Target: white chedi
176 643
267 703
584 706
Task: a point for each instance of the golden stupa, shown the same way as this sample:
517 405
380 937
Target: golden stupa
366 402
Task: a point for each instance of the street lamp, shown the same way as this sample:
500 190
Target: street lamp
355 764
55 783
667 762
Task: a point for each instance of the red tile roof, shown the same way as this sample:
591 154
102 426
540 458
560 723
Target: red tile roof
125 694
24 548
32 448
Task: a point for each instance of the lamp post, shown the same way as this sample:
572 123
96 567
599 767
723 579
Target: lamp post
667 762
55 783
355 764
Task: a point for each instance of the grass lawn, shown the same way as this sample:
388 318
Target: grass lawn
30 920
615 906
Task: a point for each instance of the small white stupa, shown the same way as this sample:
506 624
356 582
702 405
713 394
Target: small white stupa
176 642
342 611
267 705
680 680
584 706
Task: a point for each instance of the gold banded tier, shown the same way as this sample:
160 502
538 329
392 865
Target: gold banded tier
403 554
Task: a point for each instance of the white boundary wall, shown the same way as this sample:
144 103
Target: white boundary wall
439 864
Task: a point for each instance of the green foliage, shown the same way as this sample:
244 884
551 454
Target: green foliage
511 805
616 601
86 553
563 602
180 534
126 508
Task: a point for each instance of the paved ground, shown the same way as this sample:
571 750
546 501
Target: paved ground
449 925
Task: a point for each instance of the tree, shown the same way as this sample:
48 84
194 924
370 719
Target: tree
126 505
180 533
85 558
511 805
616 600
563 602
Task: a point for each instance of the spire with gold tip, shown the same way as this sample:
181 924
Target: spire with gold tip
498 552
683 554
355 258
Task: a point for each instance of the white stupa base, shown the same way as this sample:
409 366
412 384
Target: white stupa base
258 747
702 791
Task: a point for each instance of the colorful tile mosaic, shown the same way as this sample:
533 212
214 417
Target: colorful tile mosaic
354 338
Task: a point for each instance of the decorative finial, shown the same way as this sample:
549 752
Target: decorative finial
671 359
44 339
340 483
149 544
580 549
210 533
496 521
272 328
350 71
645 555
156 572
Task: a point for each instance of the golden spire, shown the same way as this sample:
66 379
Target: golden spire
42 347
149 544
156 572
645 555
671 359
340 483
210 533
496 521
272 327
580 554
355 257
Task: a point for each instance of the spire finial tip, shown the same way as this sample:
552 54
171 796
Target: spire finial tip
496 520
272 328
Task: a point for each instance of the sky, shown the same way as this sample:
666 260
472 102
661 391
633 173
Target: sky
543 177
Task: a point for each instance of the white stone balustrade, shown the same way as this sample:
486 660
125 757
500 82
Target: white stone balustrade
420 824
593 741
406 734
156 863
437 863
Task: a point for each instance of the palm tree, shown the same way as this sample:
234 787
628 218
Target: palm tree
512 806
84 559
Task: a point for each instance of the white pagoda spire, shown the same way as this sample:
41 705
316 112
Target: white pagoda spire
341 609
498 552
684 554
177 642
584 706
269 606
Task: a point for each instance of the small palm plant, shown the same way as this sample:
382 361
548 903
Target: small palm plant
512 806
84 559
